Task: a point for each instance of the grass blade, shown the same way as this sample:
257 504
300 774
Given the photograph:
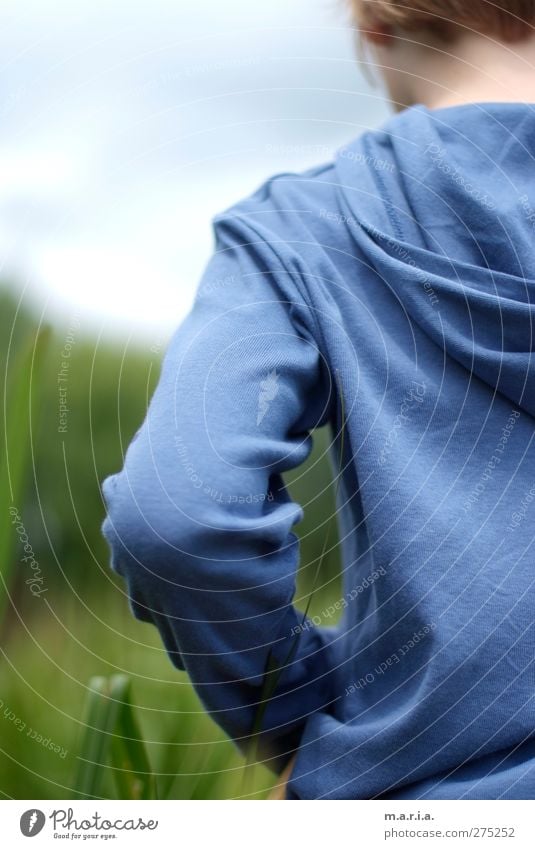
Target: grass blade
112 739
100 721
129 757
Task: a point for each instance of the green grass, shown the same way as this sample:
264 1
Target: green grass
45 683
75 657
53 646
22 391
112 736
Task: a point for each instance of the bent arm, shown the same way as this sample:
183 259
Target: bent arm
199 521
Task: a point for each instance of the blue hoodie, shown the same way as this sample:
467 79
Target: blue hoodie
388 294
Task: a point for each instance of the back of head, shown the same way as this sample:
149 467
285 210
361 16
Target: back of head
507 20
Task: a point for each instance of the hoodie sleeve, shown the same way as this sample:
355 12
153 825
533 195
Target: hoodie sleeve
199 521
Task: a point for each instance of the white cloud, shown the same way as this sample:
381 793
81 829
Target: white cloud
127 126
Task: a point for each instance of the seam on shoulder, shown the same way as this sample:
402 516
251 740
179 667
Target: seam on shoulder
293 273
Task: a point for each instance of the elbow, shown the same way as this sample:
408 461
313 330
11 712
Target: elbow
151 540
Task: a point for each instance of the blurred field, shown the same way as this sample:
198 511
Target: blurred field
81 627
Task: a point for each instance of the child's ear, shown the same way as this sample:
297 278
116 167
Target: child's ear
376 33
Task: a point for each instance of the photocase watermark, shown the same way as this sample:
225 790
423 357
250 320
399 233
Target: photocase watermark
438 156
494 461
217 495
215 65
365 159
338 217
412 399
528 209
65 825
65 819
288 149
341 604
395 247
36 580
171 76
63 375
211 286
269 389
23 728
518 515
405 256
32 822
392 660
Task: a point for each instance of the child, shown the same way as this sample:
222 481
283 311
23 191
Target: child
390 295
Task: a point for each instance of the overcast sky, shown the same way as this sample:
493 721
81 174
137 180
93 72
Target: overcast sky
127 125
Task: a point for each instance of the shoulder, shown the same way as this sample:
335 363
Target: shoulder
286 205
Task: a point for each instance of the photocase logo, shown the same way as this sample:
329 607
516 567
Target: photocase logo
32 822
269 389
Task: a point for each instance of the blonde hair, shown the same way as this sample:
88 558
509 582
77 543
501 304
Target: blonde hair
509 20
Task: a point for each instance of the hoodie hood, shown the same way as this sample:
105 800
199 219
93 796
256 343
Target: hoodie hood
442 203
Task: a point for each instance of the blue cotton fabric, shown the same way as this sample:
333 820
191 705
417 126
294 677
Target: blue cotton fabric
390 291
